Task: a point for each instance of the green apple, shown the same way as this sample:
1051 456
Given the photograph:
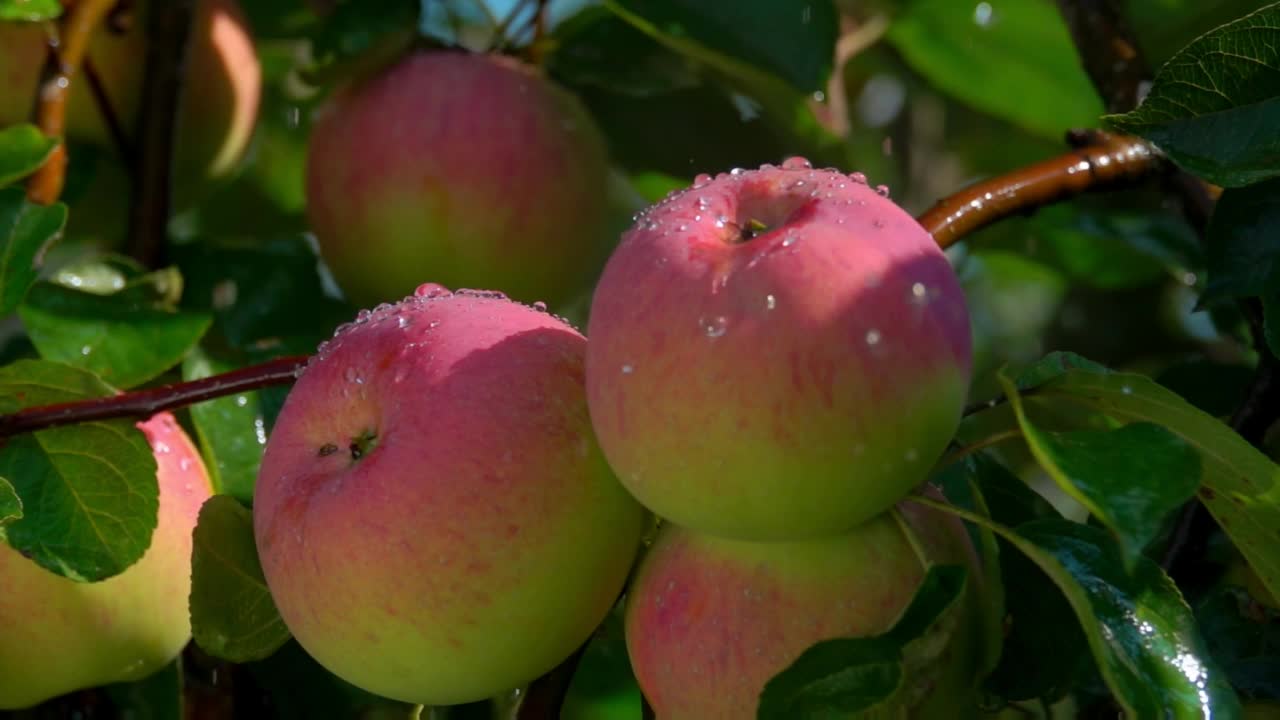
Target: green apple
61 635
469 170
435 520
711 620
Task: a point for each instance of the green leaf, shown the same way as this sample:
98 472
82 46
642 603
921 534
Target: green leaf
1014 60
155 697
125 339
29 10
598 49
232 430
23 149
793 41
1271 320
354 29
1214 108
604 686
26 231
1140 631
1129 478
89 491
1244 638
1243 238
1055 365
1113 249
1239 485
264 293
10 504
232 614
834 678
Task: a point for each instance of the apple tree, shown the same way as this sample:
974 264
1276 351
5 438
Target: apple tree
623 359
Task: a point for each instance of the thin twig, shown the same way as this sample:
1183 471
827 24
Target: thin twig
168 29
119 137
1108 161
75 33
965 451
1108 50
145 403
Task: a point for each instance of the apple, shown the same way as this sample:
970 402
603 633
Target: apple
61 635
776 354
435 520
472 170
219 103
710 620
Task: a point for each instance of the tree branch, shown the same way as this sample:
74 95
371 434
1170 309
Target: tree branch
168 29
142 404
68 50
1102 161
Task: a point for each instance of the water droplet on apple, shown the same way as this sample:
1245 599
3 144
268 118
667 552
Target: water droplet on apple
540 306
873 336
184 464
736 171
431 290
703 203
858 178
770 302
163 448
790 240
353 376
682 227
402 322
721 220
882 190
627 369
796 163
363 315
714 327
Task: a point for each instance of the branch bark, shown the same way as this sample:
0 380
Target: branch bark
168 28
142 404
68 50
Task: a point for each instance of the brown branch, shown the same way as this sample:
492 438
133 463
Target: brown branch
68 49
1108 50
168 29
1103 161
119 137
142 404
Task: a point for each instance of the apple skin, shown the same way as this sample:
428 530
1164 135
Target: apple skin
61 635
709 620
787 386
469 170
480 538
219 105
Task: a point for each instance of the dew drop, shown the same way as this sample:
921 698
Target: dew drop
431 290
873 336
882 190
1127 390
736 171
918 291
628 369
701 179
540 306
184 464
770 302
858 178
353 376
714 327
163 448
796 162
86 350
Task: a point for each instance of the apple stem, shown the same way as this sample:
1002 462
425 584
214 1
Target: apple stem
68 47
169 27
142 404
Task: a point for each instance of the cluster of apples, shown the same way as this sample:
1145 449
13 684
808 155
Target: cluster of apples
457 487
460 486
